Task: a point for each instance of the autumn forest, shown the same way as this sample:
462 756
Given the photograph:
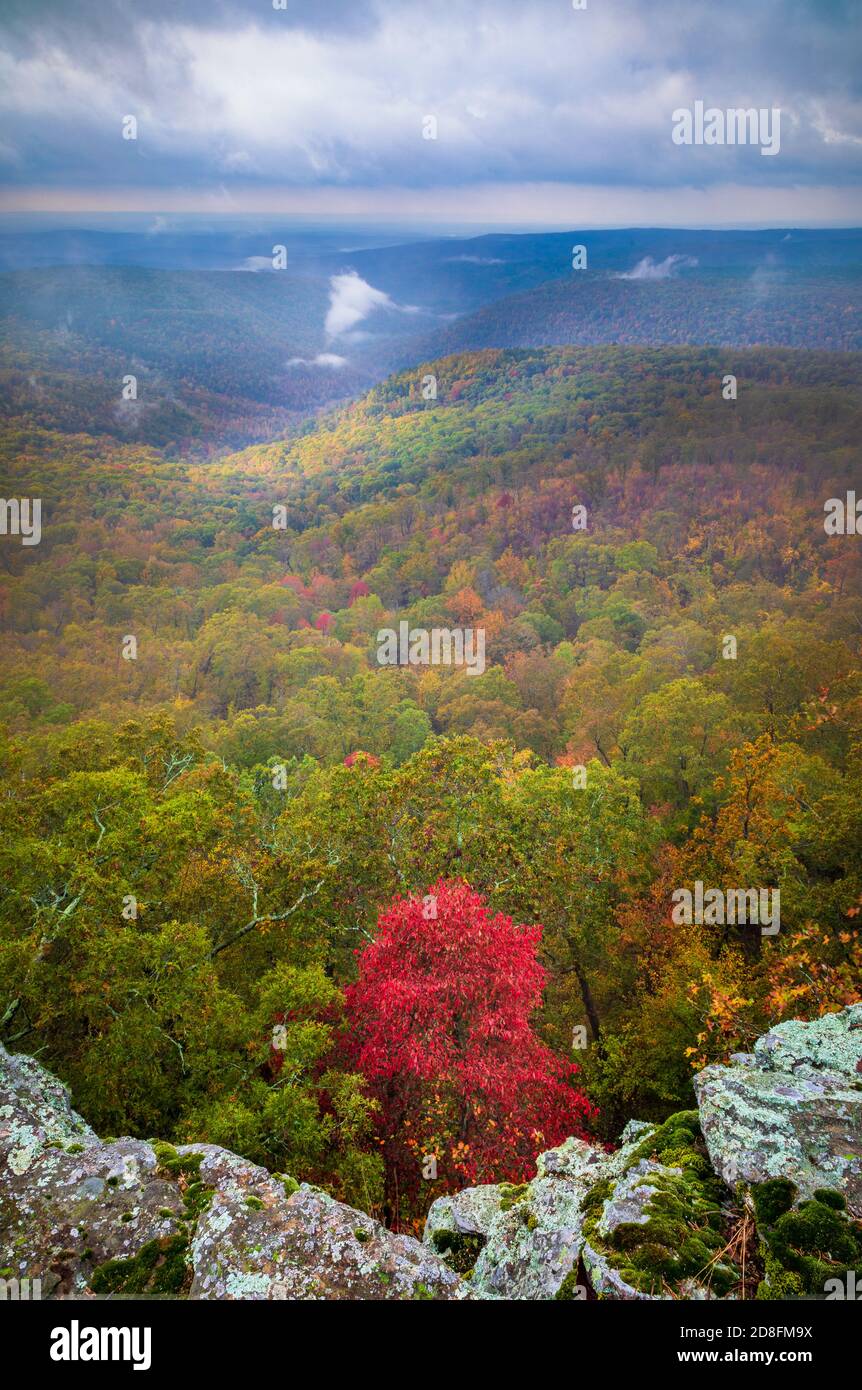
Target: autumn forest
263 892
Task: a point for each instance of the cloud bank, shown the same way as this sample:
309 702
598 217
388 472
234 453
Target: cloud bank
231 95
323 359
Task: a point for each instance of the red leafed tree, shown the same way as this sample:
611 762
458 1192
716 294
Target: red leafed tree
440 1028
292 581
361 757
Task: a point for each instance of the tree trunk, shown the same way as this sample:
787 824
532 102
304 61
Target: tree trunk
589 1003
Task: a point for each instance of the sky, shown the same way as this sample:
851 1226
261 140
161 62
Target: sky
544 113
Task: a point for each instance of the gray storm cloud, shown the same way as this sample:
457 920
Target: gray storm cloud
337 94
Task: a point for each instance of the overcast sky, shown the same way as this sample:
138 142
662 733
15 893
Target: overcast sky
544 113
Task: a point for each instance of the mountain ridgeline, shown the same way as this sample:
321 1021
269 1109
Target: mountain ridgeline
227 350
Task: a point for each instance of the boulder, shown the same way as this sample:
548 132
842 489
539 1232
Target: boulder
791 1109
258 1241
525 1241
128 1218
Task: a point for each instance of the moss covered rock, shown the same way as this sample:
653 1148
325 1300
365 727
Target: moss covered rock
791 1109
777 1135
130 1218
805 1245
661 1228
532 1233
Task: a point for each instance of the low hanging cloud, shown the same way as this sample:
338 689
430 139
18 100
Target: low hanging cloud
352 299
648 269
323 359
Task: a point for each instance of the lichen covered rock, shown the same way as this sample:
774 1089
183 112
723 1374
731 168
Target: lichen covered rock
35 1110
529 1237
659 1229
306 1245
68 1202
770 1164
127 1218
534 1244
457 1226
469 1212
791 1109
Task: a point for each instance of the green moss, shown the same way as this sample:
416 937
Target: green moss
680 1239
772 1199
289 1184
459 1250
176 1165
598 1194
112 1182
678 1143
569 1290
684 1233
74 1148
778 1283
830 1198
165 1211
197 1195
159 1267
361 1235
196 1198
255 1203
421 1291
511 1193
813 1242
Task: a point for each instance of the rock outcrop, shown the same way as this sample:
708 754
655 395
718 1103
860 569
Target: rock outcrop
644 1221
129 1218
790 1109
769 1168
770 1163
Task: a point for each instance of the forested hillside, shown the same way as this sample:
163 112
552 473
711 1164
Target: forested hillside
769 307
211 353
226 350
196 840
